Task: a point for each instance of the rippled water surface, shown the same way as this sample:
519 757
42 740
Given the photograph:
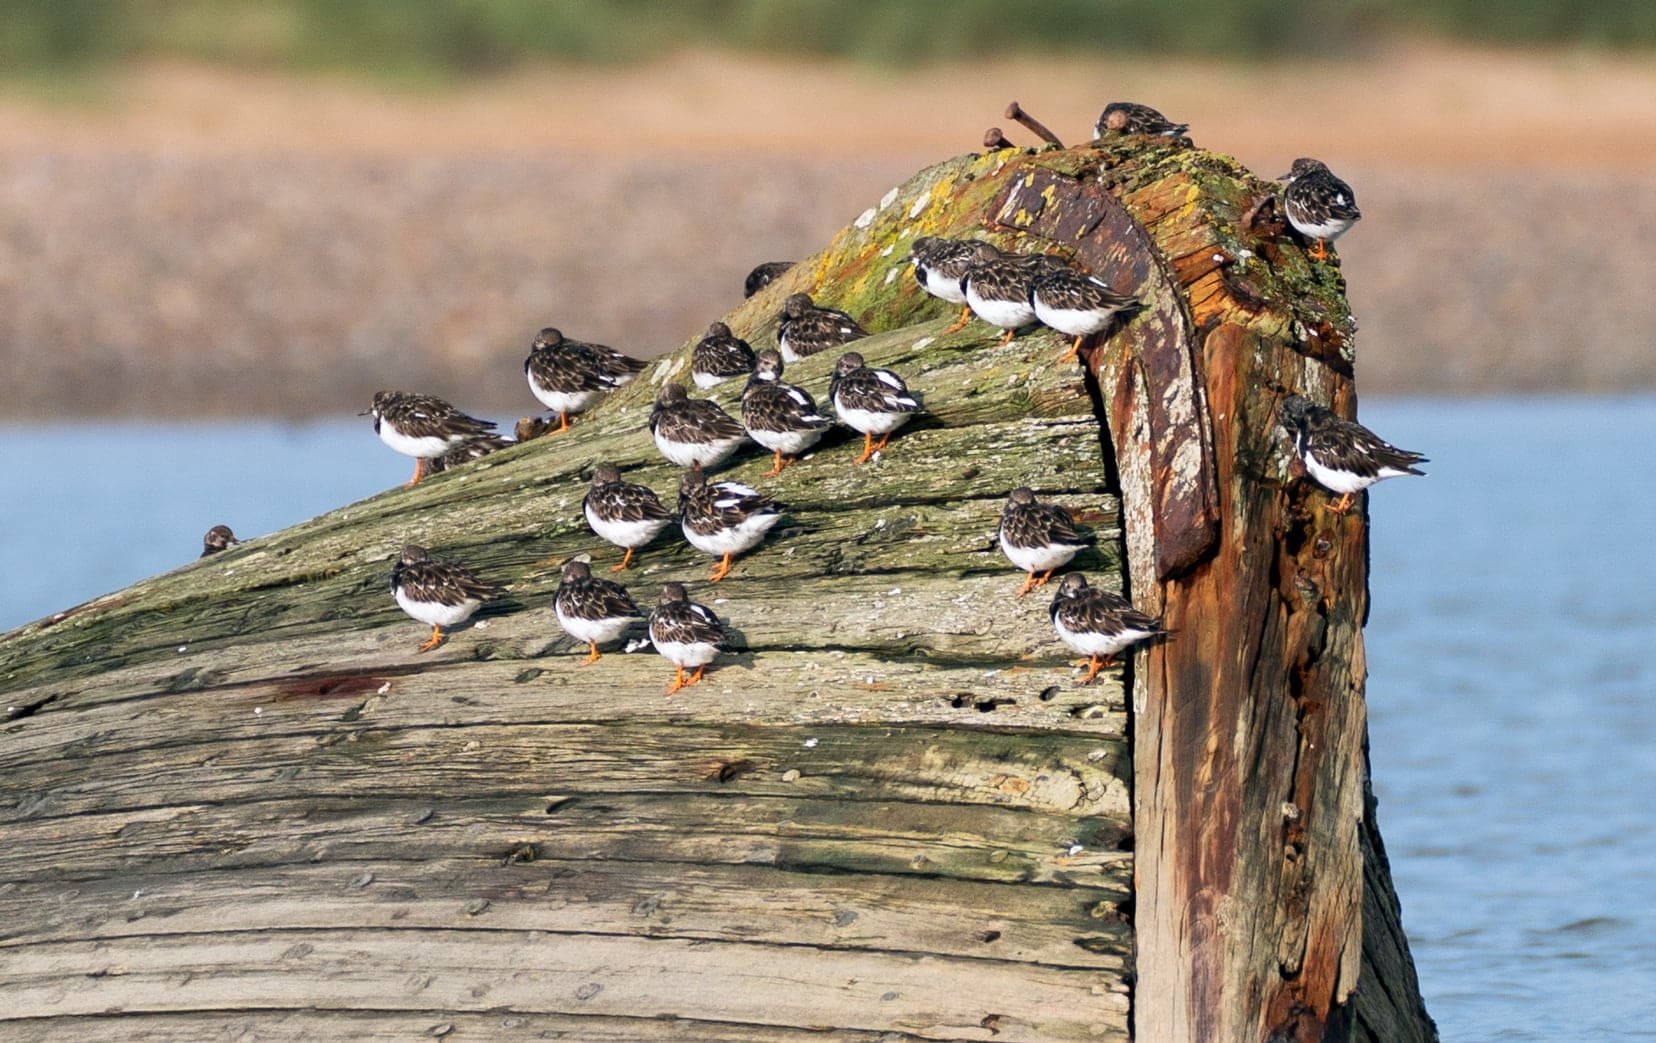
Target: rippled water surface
1512 650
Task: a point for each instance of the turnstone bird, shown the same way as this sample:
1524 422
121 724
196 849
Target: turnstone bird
441 593
873 401
781 417
1129 117
1319 205
763 275
997 286
568 376
803 329
719 356
218 538
1075 303
467 451
1341 455
1098 622
939 266
1036 536
693 432
625 514
685 633
593 610
421 426
723 518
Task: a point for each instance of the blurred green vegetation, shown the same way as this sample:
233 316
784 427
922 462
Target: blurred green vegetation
444 38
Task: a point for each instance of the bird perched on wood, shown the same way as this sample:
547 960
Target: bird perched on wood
467 451
219 538
693 432
718 356
1077 304
624 513
781 417
940 266
1342 455
592 610
441 593
569 376
685 633
763 275
873 401
1037 536
1129 117
997 286
1098 622
723 519
421 426
803 328
1319 205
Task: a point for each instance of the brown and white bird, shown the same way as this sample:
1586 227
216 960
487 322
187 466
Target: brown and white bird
724 519
421 426
593 610
940 267
1342 455
570 376
873 401
1076 304
440 593
781 417
803 328
1319 205
219 538
1098 622
685 633
1037 537
1129 117
718 356
467 451
997 286
626 514
763 275
693 432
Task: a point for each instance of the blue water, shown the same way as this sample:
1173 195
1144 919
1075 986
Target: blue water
1512 688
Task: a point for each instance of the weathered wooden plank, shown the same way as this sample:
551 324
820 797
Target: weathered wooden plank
1072 926
931 996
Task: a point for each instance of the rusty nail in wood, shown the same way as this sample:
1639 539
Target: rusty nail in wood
993 139
1034 125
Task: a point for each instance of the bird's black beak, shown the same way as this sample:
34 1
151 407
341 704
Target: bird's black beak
365 412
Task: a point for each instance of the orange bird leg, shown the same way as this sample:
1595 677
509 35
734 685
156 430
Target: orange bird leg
594 657
1028 585
678 682
1075 349
696 677
776 468
721 570
1095 666
563 423
626 560
868 448
881 444
1343 506
419 472
1006 338
1035 584
960 323
1321 252
436 638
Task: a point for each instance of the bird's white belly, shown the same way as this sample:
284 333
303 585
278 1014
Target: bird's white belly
1099 644
1342 482
707 380
1075 323
1008 315
435 614
868 422
789 443
627 533
690 454
565 401
1329 230
1038 559
423 448
944 288
597 631
694 653
732 541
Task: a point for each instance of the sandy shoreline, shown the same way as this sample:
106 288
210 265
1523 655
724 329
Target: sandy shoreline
214 243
